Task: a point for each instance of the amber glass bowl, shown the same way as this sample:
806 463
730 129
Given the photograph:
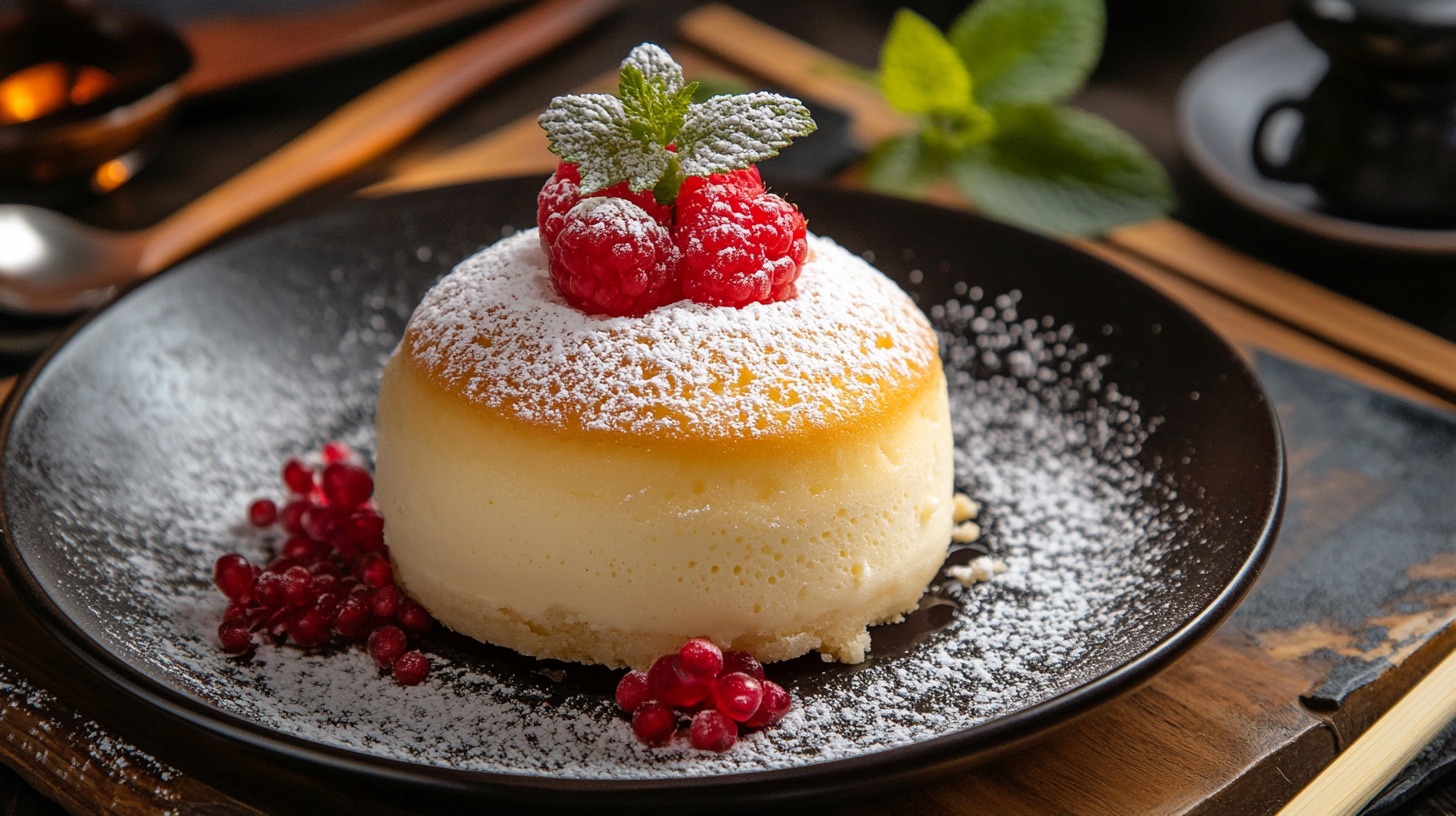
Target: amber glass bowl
82 94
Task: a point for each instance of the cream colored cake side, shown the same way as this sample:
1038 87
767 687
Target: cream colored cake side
578 548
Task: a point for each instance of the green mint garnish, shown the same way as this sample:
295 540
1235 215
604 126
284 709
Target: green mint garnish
626 137
987 97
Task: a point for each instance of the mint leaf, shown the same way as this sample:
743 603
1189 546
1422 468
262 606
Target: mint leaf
1029 50
729 132
626 137
904 166
919 70
593 131
654 96
1062 171
656 65
654 110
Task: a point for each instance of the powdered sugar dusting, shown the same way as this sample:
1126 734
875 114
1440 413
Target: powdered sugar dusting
55 736
834 354
1045 442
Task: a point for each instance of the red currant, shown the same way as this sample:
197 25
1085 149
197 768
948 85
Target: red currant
711 731
738 696
654 723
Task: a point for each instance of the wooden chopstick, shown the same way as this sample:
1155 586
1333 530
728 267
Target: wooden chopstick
226 48
366 127
519 147
1241 326
793 65
1407 351
1413 355
1368 765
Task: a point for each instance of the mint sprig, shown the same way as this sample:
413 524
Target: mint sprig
988 99
626 137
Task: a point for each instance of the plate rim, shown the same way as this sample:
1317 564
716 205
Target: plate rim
1259 199
829 778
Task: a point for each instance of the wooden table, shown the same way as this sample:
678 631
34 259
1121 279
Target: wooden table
1236 727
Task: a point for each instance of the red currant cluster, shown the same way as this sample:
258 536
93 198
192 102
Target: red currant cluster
719 691
726 241
331 579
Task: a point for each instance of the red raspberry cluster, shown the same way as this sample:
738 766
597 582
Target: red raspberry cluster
726 241
331 580
718 691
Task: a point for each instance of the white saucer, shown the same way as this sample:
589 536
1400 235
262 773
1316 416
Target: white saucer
1218 107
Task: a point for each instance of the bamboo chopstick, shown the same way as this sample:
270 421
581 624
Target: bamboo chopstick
372 123
1421 358
226 50
1371 761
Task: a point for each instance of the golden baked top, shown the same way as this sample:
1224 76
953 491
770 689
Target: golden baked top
851 347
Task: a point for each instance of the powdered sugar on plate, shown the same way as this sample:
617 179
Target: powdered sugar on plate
1045 442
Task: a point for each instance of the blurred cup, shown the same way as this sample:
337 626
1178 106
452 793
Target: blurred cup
1376 138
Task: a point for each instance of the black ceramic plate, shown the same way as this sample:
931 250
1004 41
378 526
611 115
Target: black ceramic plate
1218 108
1129 464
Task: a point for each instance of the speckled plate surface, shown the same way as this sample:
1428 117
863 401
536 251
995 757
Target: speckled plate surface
1129 465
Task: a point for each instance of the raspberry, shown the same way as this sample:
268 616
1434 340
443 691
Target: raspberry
699 192
739 244
563 191
612 258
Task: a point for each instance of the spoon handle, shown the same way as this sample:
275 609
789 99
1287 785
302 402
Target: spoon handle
368 126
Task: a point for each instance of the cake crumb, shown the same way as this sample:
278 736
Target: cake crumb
965 507
965 532
981 568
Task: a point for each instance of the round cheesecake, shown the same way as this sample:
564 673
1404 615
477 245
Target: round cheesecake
599 489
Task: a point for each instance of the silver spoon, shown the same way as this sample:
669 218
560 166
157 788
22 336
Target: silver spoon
52 264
